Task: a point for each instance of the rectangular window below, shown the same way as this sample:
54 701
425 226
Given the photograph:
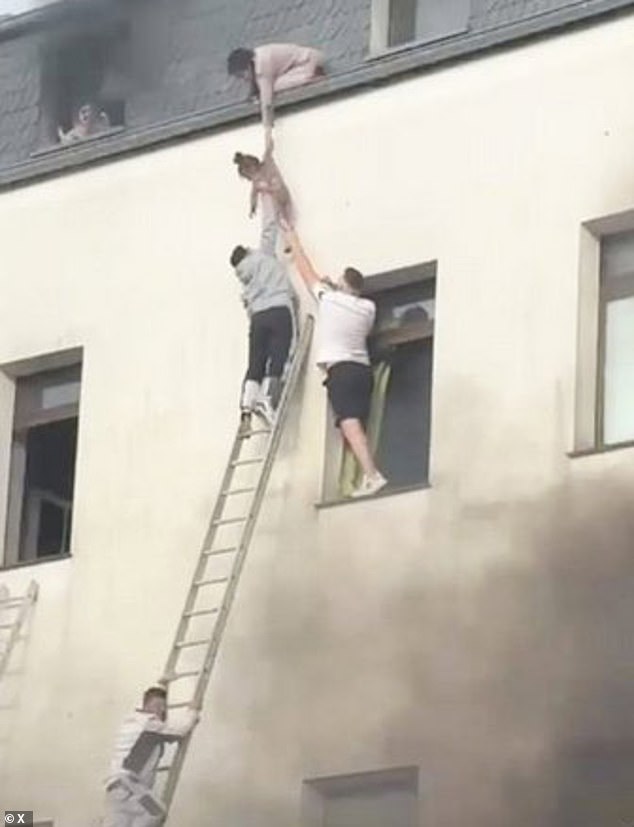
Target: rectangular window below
403 445
401 353
42 469
386 798
594 784
618 398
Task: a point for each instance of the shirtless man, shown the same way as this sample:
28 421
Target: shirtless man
272 68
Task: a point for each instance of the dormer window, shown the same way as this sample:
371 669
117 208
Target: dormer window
400 22
84 78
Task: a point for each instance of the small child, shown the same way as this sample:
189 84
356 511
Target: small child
268 185
87 121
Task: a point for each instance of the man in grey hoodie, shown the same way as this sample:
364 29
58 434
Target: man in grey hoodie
268 297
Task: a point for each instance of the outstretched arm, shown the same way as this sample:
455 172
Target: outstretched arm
253 202
174 732
265 85
303 264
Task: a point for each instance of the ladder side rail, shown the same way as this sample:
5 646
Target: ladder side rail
254 511
190 601
27 601
299 358
5 598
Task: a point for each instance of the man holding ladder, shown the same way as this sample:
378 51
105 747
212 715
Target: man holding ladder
139 747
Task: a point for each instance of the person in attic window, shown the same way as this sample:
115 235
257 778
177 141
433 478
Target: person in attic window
87 121
273 68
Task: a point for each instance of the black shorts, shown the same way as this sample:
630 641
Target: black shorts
349 387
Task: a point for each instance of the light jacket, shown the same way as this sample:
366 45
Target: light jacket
265 282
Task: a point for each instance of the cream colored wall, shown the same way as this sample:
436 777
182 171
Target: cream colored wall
368 635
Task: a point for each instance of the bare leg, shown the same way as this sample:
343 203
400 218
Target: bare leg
299 75
354 434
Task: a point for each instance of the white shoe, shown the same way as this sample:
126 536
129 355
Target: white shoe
265 411
370 485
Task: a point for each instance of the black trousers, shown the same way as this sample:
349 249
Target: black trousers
270 339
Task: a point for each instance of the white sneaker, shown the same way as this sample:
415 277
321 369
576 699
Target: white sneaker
370 485
265 411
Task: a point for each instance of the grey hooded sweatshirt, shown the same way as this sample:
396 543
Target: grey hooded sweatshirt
265 282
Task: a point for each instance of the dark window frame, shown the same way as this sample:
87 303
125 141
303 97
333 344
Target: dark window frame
31 412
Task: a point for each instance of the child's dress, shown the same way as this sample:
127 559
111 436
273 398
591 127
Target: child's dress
273 193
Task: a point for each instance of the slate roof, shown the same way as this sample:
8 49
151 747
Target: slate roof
189 40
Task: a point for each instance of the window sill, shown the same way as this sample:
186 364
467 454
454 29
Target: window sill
604 449
56 149
42 561
388 492
414 45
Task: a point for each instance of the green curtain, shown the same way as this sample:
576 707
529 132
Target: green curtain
350 472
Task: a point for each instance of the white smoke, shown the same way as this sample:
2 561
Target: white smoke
21 6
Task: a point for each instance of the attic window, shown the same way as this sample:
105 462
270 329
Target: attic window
84 79
401 22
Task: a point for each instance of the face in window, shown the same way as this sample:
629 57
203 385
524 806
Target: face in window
85 115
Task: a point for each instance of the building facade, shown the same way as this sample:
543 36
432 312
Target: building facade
457 650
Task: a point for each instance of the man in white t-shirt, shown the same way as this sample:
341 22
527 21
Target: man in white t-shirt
344 323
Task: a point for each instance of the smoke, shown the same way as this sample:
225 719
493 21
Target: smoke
509 684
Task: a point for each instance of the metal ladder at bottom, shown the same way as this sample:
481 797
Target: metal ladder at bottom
213 588
13 614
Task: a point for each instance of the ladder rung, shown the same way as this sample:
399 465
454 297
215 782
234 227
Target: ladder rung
257 431
191 643
211 552
201 612
253 461
7 625
12 601
230 521
232 492
214 581
177 676
183 705
163 769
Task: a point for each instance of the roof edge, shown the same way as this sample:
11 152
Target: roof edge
374 71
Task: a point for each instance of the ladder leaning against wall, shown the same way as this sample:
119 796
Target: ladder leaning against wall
220 563
13 614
